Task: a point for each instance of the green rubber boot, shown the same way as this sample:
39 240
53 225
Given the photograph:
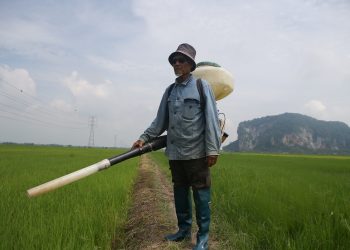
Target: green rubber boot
202 201
183 207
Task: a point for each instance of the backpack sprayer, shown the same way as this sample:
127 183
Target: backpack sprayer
221 82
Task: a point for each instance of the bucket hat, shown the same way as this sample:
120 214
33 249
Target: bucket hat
188 51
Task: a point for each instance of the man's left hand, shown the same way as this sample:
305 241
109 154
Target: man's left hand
211 160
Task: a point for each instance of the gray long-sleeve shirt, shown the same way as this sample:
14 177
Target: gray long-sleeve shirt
192 133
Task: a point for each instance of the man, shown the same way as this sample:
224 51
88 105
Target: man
193 142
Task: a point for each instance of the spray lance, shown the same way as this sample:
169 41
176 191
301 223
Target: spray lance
158 143
221 82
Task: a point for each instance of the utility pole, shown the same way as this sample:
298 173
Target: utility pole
92 121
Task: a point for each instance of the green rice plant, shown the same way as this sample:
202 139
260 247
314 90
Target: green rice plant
88 214
280 201
284 202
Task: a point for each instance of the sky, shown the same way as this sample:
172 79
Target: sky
93 72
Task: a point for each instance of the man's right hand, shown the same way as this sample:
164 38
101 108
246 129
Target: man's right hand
138 144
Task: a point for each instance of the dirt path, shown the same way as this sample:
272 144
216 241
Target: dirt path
152 214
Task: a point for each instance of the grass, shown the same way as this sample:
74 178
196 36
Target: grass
88 214
258 201
280 201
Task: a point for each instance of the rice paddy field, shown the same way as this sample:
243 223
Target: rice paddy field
280 201
258 201
88 214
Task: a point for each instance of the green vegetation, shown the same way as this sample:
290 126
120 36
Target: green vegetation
87 214
259 201
280 201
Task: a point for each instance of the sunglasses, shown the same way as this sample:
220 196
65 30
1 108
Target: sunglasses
178 59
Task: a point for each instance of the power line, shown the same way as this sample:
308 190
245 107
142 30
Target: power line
37 108
43 106
14 115
50 114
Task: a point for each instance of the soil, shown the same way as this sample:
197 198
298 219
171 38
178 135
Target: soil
152 215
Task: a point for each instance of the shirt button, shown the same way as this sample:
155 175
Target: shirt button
174 113
172 127
171 142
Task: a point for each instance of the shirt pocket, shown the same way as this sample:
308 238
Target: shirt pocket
191 108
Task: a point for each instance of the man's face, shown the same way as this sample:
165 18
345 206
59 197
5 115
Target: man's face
181 65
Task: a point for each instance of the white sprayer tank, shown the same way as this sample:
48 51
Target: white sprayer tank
220 80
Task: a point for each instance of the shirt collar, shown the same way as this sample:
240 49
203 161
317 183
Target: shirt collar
184 82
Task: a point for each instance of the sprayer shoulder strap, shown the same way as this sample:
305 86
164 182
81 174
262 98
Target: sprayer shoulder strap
200 91
170 89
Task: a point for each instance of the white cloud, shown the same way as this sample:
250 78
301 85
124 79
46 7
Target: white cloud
80 87
315 107
331 112
61 105
14 80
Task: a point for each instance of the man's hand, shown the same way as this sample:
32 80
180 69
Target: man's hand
211 160
138 144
